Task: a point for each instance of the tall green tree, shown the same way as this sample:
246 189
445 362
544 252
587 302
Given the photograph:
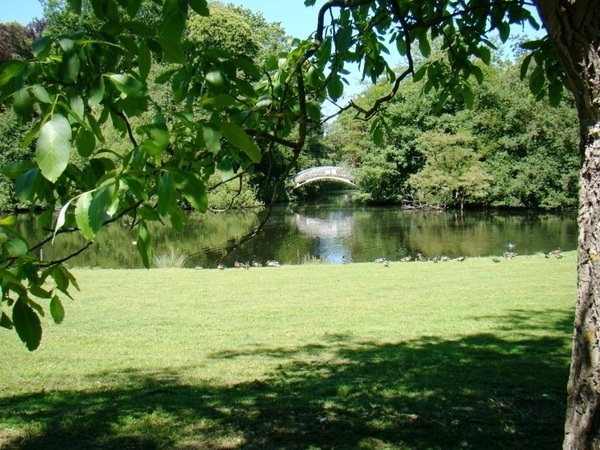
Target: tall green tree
528 147
74 83
453 172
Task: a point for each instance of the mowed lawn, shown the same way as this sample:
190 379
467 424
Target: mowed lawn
471 355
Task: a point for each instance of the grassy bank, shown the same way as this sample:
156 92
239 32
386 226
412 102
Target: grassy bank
411 356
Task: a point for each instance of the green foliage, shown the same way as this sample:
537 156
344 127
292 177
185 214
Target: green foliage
506 149
237 193
224 30
11 151
452 172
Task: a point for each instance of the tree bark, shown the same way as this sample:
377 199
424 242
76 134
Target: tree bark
574 29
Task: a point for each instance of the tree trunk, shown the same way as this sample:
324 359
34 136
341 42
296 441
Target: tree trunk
574 29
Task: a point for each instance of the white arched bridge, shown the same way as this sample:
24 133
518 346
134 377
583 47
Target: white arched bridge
334 173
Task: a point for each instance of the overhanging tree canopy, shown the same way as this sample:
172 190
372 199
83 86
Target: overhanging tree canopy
76 82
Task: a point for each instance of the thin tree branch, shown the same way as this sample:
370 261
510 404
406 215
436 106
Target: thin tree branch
66 258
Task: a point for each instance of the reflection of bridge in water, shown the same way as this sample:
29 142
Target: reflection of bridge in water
324 228
334 173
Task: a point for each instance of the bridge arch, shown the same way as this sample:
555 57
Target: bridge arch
313 174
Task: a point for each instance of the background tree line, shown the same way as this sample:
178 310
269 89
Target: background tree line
507 149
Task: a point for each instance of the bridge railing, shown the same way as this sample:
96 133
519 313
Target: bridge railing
322 172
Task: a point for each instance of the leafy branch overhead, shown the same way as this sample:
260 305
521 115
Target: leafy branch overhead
224 112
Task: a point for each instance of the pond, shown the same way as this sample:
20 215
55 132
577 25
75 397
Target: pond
326 230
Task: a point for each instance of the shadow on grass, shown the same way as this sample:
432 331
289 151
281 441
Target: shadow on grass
478 392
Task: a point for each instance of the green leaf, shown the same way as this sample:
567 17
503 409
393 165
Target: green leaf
133 6
537 80
57 311
173 20
424 45
95 127
62 277
225 167
343 38
148 213
216 80
70 67
467 95
127 85
82 215
378 136
335 87
171 51
23 104
193 189
41 93
96 92
247 66
27 324
165 76
9 70
314 111
101 204
25 185
77 106
477 72
41 47
139 28
16 248
85 142
5 321
9 221
324 52
419 74
14 170
525 66
144 246
401 46
200 7
485 55
144 61
39 292
165 194
503 31
61 219
54 147
15 283
238 137
62 283
211 133
159 138
555 92
130 46
219 101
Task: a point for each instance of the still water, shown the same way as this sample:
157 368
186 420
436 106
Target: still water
328 229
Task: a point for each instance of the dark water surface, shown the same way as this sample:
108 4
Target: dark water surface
328 229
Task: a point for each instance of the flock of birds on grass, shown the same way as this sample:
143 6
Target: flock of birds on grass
508 255
246 265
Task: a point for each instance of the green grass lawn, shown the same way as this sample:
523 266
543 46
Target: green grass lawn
471 355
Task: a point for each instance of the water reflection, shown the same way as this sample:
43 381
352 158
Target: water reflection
328 230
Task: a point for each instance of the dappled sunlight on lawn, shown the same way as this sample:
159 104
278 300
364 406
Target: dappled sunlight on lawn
479 391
